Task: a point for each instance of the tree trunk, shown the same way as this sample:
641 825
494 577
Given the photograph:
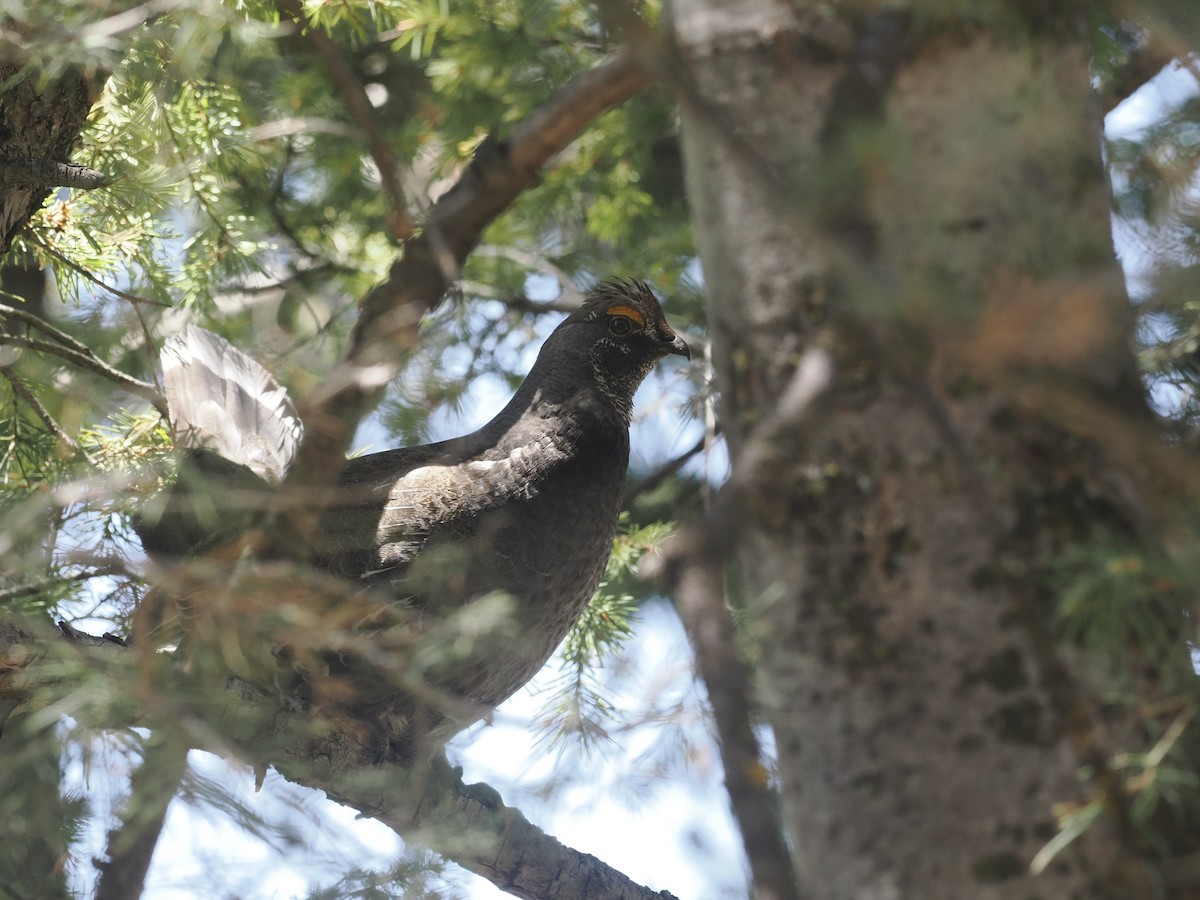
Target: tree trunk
928 207
39 123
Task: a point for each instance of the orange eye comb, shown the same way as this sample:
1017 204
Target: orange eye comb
629 312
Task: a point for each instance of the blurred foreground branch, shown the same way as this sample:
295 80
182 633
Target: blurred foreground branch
426 803
691 570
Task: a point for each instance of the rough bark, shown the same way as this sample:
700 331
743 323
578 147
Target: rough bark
39 122
39 125
929 207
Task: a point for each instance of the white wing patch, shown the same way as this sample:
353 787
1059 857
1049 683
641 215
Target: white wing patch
429 495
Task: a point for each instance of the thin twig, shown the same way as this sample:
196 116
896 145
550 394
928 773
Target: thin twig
92 363
657 477
350 86
35 321
522 303
285 227
80 270
19 388
16 592
128 20
573 296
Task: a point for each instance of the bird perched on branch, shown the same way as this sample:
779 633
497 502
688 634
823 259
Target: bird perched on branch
504 533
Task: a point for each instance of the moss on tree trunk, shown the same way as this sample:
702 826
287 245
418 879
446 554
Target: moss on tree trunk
927 203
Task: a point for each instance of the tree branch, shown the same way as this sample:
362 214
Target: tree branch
26 395
75 351
93 363
36 321
361 110
495 178
700 598
522 304
426 804
88 276
551 127
17 591
128 20
49 173
644 485
572 296
130 846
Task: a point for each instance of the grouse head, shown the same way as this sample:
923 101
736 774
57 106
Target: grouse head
616 337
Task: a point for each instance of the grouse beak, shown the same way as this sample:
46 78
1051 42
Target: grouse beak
679 347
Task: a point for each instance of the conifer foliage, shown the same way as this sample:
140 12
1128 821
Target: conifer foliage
389 204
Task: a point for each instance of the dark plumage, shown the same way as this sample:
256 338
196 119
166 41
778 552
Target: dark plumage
527 505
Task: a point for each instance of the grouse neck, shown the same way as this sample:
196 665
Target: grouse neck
549 405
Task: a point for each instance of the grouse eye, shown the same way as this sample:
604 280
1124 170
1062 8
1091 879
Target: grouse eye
619 325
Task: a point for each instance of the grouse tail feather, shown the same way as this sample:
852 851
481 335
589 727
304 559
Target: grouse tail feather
222 400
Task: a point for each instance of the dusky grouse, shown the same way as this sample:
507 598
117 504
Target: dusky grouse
519 515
